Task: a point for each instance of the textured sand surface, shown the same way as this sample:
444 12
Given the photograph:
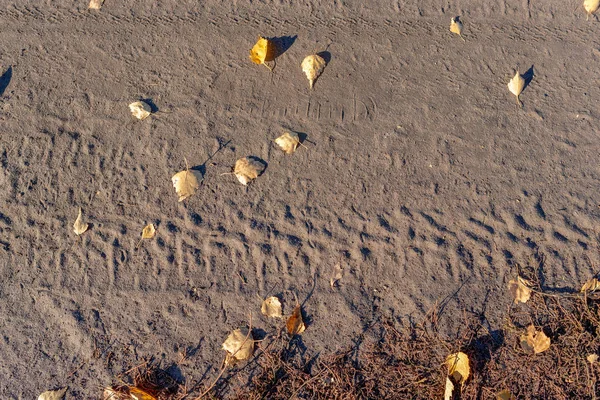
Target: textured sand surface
420 174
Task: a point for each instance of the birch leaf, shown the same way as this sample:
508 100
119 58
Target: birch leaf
247 169
53 394
263 51
336 276
79 226
312 66
271 307
449 389
456 26
534 341
592 358
95 4
140 109
295 324
458 372
516 85
186 183
520 289
591 285
239 346
591 6
148 232
288 142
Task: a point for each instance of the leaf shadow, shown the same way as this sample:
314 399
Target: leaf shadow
260 160
282 44
153 106
325 55
5 80
201 168
528 76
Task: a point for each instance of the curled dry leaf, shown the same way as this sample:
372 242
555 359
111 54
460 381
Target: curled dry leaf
186 183
53 394
288 142
264 50
79 226
458 372
140 109
591 6
127 393
516 85
591 285
295 324
149 231
504 395
247 169
95 4
456 26
520 289
336 276
592 358
312 66
271 307
239 346
534 341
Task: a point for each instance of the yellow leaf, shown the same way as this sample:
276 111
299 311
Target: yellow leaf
534 341
591 285
288 142
592 358
516 85
148 232
504 395
139 394
263 50
312 66
591 6
520 289
186 183
271 307
247 169
95 4
53 394
140 109
239 346
79 226
456 26
458 367
295 324
449 389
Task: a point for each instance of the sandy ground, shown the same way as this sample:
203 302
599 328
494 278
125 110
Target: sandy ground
420 177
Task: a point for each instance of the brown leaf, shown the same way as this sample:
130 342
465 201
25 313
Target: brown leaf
140 109
504 395
247 169
239 346
336 276
271 307
127 393
79 226
534 341
95 4
295 324
313 66
288 142
186 183
520 289
53 394
591 285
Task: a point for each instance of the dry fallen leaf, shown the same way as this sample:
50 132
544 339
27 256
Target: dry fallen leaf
79 226
504 395
53 394
520 289
139 394
140 109
263 51
95 4
271 307
288 142
148 232
516 85
336 276
591 285
534 341
458 372
186 183
247 169
591 6
295 324
456 26
127 393
312 66
239 346
592 358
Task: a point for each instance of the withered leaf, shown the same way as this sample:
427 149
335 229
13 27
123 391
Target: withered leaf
140 109
264 50
534 341
79 226
95 4
456 26
520 289
504 395
592 358
295 324
312 66
239 346
271 307
186 183
591 285
139 394
53 394
288 142
458 372
591 6
516 85
148 232
247 169
336 276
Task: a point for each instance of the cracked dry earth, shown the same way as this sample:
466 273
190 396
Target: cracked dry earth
420 175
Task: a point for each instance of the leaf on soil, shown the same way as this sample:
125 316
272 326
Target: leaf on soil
456 26
592 358
239 346
271 307
504 395
140 109
534 341
336 276
449 389
79 226
186 183
520 289
139 394
95 4
53 394
591 285
148 232
263 50
516 85
591 6
127 393
288 142
247 169
458 372
312 66
295 324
